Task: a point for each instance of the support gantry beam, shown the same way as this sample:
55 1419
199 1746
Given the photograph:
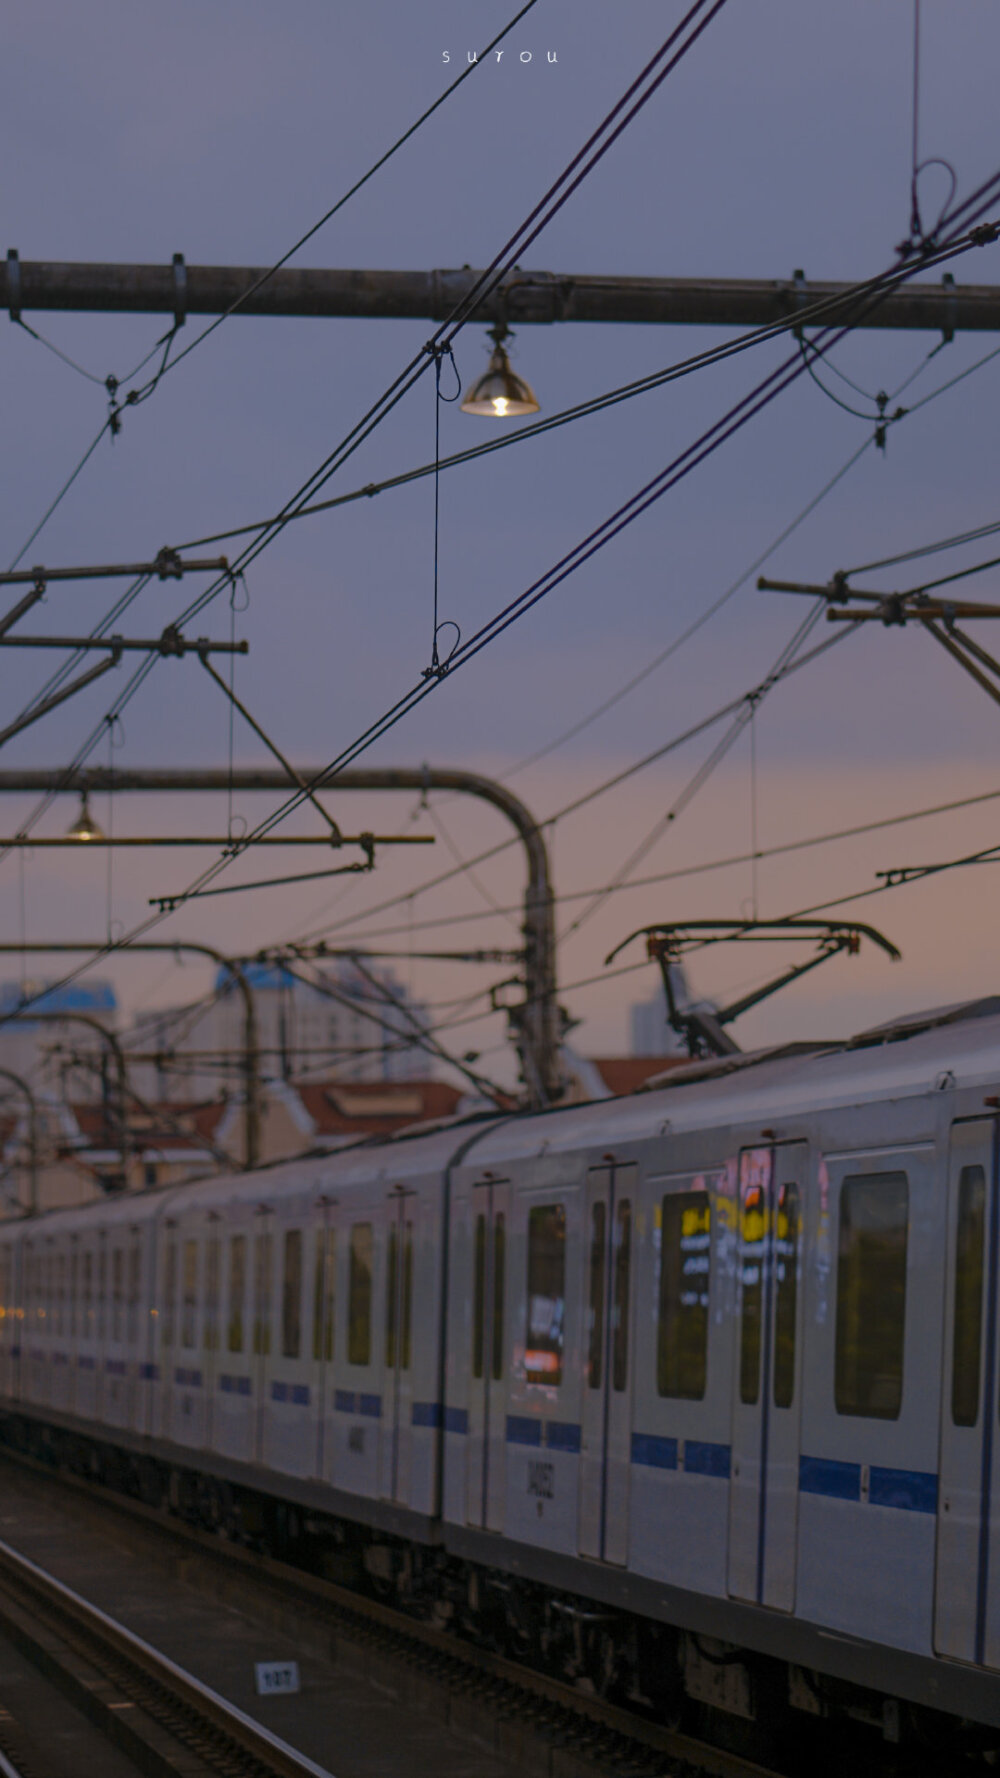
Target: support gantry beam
524 298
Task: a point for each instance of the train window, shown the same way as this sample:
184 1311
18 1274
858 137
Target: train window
323 1294
87 1294
74 1280
786 1284
685 1282
753 1230
262 1294
169 1292
61 1303
407 1305
871 1294
968 1317
359 1295
619 1307
210 1331
391 1290
595 1307
133 1293
189 1294
291 1295
478 1295
543 1357
237 1292
117 1293
499 1280
102 1290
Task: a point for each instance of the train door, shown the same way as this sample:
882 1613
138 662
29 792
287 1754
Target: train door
397 1413
967 1582
324 1323
606 1431
764 1475
487 1440
263 1315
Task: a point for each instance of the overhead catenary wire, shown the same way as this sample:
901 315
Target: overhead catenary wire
972 207
556 196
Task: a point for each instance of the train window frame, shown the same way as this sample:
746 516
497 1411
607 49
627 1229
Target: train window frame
236 1287
360 1294
263 1292
325 1294
190 1270
967 1303
856 1381
682 1364
786 1250
499 1292
292 1273
545 1320
213 1277
621 1295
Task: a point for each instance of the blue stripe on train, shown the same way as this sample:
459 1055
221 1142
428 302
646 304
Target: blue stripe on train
562 1435
523 1430
426 1413
653 1452
456 1419
826 1475
296 1393
914 1490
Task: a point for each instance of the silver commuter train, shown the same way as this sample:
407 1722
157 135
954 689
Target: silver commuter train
682 1392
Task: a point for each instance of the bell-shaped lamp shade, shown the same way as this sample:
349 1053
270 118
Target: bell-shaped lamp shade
85 827
499 393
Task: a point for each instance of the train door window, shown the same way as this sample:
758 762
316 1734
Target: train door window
478 1294
262 1294
753 1232
595 1306
323 1294
871 1294
786 1284
619 1308
169 1292
685 1285
210 1333
968 1315
87 1294
132 1293
74 1282
391 1287
499 1277
102 1291
543 1357
117 1294
189 1308
359 1295
237 1292
291 1295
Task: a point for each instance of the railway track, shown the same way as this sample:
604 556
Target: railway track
166 1720
470 1685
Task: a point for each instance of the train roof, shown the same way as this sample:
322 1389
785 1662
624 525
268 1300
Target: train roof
955 1046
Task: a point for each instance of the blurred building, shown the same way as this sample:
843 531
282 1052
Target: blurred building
53 1044
346 1026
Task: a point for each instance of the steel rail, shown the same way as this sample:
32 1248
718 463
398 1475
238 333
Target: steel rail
456 1660
103 1635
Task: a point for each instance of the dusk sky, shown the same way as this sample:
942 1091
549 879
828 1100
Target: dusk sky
131 132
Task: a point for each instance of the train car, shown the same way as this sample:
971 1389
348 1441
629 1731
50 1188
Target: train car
690 1394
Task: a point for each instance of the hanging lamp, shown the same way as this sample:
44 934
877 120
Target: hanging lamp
499 393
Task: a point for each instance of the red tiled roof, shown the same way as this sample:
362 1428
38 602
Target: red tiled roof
372 1108
623 1074
177 1124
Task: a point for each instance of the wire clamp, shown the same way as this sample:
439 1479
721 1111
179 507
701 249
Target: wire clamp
180 290
13 284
